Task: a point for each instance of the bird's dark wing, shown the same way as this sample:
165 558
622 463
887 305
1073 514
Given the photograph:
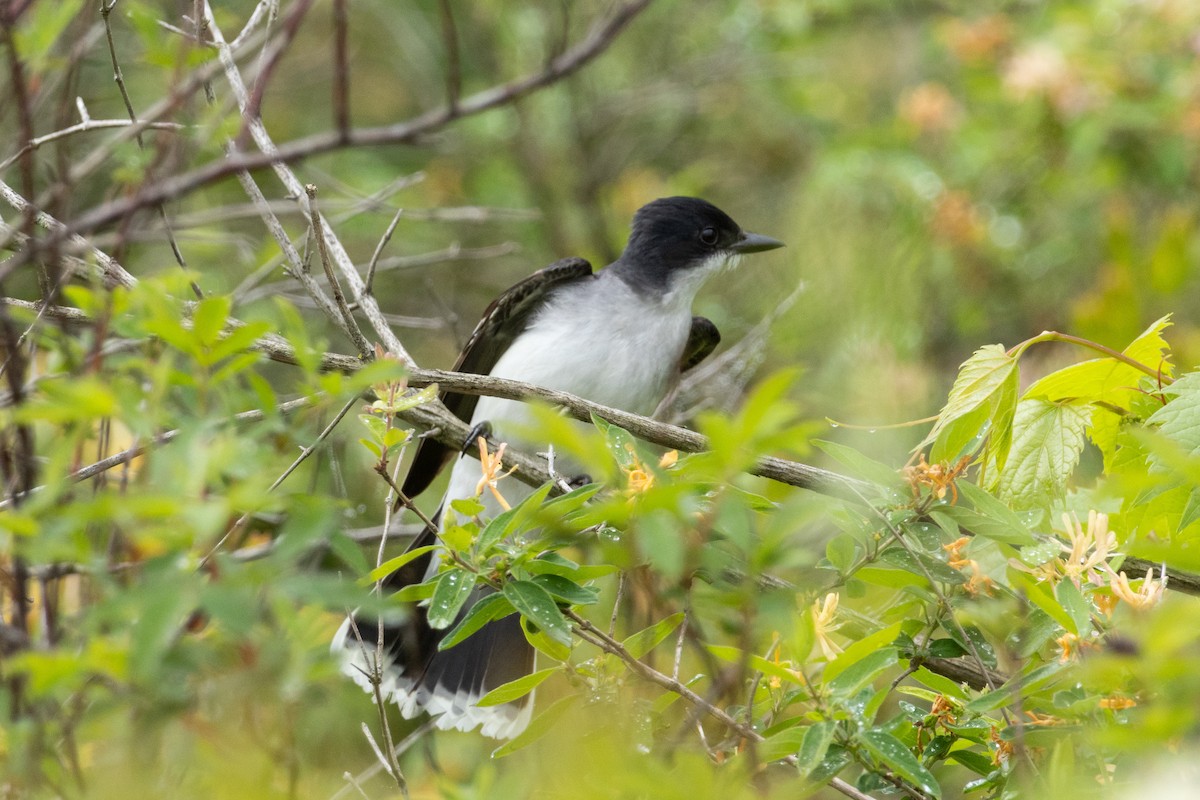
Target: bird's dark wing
503 321
702 340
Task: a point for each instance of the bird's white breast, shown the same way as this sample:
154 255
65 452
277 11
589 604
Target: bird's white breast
600 340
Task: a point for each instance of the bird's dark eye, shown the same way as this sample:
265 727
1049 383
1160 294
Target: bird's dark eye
708 236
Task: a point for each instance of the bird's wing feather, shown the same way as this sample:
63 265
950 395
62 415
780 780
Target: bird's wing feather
702 340
503 321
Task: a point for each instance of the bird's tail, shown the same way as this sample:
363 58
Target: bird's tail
446 684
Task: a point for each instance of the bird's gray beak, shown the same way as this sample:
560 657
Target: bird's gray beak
755 243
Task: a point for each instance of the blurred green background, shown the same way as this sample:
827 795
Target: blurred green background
945 174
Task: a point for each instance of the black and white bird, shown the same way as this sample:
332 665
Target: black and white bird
620 337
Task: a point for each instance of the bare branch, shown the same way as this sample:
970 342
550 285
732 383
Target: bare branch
410 132
453 62
83 127
349 323
341 69
106 9
108 270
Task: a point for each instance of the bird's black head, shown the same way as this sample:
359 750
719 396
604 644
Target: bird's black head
674 237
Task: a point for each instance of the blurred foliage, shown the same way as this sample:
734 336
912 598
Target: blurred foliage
945 174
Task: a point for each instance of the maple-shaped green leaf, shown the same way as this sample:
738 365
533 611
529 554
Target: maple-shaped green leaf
984 392
1047 441
1179 419
1111 386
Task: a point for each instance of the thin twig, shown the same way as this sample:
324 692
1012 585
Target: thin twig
412 131
83 127
369 282
106 9
237 526
341 69
453 61
350 325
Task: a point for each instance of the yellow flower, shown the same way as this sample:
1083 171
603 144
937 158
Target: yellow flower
639 478
824 614
1089 550
1117 703
492 465
1146 597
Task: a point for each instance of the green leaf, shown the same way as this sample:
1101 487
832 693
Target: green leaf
735 655
862 466
1048 439
467 506
921 564
986 381
854 677
840 552
538 728
349 552
490 607
209 318
1179 419
647 639
782 743
892 753
414 399
536 605
817 738
453 588
515 690
393 564
1077 606
513 520
990 519
975 643
567 590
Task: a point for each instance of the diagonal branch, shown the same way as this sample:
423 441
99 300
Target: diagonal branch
412 131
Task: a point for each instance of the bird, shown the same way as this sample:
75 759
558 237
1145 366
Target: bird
620 337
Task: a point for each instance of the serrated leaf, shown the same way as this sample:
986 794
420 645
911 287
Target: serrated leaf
453 588
1107 384
647 639
538 728
536 605
986 383
891 752
490 607
1048 439
393 564
515 690
1179 419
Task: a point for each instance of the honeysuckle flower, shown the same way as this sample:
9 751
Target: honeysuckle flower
824 613
1147 596
1089 550
1117 703
492 465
